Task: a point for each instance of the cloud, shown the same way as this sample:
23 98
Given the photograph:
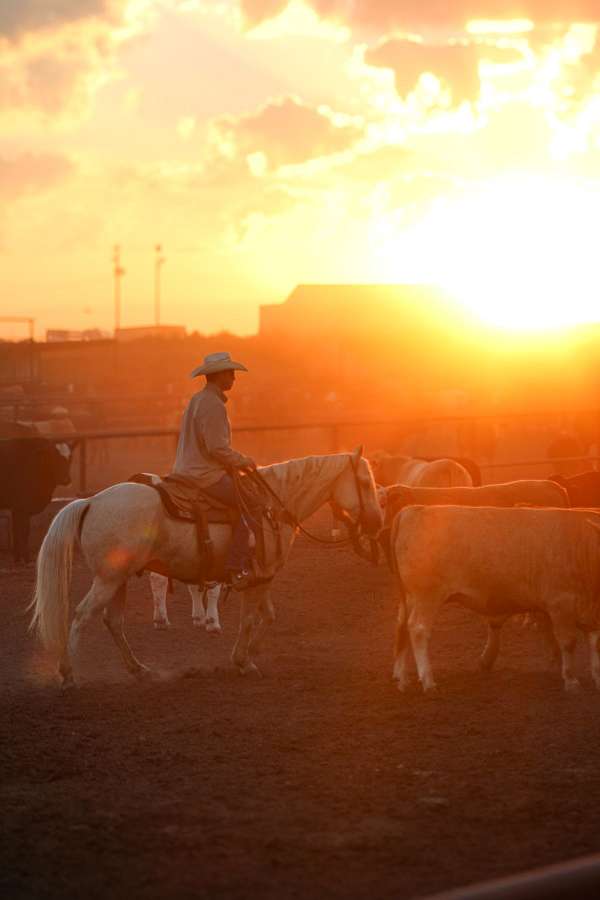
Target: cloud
32 173
388 14
285 132
457 65
53 55
21 17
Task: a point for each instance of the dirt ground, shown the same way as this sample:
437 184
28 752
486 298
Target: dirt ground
317 780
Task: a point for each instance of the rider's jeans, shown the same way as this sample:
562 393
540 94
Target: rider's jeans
239 551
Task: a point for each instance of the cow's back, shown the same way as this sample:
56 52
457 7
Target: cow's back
413 471
510 559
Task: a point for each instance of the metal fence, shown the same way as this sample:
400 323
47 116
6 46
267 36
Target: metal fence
152 449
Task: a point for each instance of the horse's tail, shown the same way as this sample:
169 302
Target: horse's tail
53 577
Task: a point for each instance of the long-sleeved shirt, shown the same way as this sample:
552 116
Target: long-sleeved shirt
204 448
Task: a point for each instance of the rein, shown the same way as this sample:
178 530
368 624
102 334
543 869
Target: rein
353 528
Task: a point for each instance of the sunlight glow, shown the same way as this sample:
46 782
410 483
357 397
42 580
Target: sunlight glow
520 251
500 26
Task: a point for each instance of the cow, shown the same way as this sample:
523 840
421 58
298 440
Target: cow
496 562
30 470
525 492
583 489
422 472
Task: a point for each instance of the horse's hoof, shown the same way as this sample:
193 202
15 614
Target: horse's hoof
162 624
68 685
213 627
250 669
572 685
430 689
197 622
145 674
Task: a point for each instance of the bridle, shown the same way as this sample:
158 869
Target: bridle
354 528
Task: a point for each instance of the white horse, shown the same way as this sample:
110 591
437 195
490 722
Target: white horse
123 528
205 603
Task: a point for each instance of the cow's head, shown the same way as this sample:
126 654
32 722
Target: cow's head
62 461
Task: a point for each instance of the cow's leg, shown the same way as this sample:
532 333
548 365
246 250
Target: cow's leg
114 616
422 612
198 611
214 592
19 536
594 637
561 612
96 599
400 672
159 585
249 613
492 646
267 617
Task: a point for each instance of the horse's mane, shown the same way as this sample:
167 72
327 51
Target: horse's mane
290 473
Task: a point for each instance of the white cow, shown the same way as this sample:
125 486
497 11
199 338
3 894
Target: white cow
425 473
496 562
205 603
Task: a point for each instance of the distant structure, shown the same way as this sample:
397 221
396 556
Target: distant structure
318 310
139 332
54 335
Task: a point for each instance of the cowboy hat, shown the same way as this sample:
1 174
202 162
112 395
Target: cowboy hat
217 362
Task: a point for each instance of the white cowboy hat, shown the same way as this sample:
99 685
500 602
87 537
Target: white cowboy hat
217 362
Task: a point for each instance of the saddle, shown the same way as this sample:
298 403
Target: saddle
183 500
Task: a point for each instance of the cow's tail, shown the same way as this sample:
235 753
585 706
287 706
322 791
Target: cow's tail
53 577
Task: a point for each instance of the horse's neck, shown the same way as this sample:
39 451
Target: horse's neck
303 485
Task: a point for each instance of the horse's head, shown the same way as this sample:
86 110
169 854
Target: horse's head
355 496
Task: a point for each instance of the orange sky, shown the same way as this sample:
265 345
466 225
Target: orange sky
267 143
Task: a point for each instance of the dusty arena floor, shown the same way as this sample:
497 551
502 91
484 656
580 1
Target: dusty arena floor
318 780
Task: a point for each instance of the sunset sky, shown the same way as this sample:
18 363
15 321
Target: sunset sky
266 143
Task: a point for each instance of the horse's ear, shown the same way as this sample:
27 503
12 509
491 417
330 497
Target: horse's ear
357 454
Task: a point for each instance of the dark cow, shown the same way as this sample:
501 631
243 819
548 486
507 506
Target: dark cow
583 489
30 470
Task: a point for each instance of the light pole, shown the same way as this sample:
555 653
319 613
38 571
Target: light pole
118 272
159 259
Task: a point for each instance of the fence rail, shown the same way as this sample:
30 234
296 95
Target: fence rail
82 438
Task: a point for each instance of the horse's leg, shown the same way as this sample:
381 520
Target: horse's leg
114 616
159 586
213 595
97 598
267 617
198 612
248 622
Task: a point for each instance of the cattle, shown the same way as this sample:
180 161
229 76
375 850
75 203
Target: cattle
30 470
526 492
496 562
422 472
583 489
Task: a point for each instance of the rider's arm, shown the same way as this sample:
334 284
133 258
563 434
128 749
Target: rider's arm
217 439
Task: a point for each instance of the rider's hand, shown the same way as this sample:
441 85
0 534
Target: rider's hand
248 463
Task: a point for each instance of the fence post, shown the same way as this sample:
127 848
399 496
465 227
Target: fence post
335 439
83 467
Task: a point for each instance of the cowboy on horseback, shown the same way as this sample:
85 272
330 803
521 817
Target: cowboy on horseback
206 457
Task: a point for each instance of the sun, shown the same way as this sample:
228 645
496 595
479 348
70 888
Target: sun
519 251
